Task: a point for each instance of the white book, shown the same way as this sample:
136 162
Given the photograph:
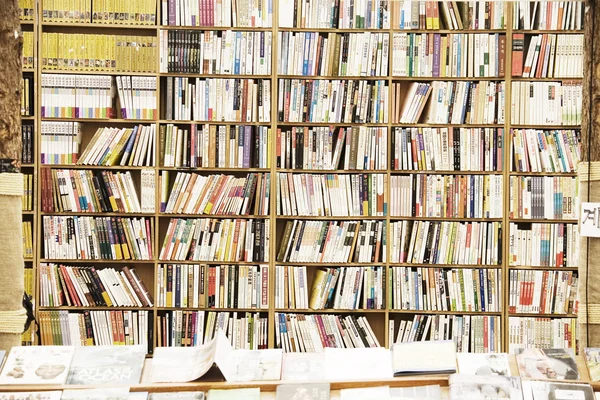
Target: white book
37 365
483 364
366 393
424 357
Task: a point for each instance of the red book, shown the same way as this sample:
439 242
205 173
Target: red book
517 54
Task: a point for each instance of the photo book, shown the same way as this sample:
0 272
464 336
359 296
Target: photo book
33 365
483 364
99 365
556 364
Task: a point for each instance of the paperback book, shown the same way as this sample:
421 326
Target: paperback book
30 365
429 392
99 365
368 393
305 367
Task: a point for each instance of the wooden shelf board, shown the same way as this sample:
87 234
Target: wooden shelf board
566 174
216 28
101 120
328 311
543 220
82 261
443 172
332 171
511 267
95 308
188 122
446 266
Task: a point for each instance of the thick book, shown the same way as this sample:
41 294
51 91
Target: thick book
32 365
556 364
472 387
100 365
424 357
304 391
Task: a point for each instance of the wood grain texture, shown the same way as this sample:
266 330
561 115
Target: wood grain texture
11 44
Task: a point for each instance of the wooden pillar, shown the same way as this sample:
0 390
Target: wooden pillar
11 244
589 180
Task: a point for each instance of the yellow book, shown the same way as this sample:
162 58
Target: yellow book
30 194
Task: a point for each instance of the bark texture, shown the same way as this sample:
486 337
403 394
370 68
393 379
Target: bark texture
11 244
589 262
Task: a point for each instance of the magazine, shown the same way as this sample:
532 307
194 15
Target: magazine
96 394
98 365
305 367
429 392
473 387
430 357
483 364
368 393
31 365
305 391
540 390
54 395
592 358
557 364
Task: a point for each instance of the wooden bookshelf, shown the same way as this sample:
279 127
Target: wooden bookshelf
378 318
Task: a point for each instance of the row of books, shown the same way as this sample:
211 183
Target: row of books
543 245
448 149
446 242
100 12
446 196
436 289
351 14
452 15
27 96
215 146
97 328
333 101
137 96
120 146
561 15
339 195
193 328
27 140
87 52
228 240
543 197
470 333
346 288
461 102
26 8
470 55
77 96
68 190
560 102
313 333
27 203
332 241
542 292
213 286
27 230
350 54
95 238
218 99
228 13
536 150
216 194
59 142
215 52
548 56
542 333
65 285
328 148
28 60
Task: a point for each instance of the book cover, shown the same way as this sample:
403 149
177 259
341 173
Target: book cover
37 365
472 387
428 392
54 395
592 358
429 357
307 367
483 364
234 394
98 365
306 391
539 390
556 364
96 394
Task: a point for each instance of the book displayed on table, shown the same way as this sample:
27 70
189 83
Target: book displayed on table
472 387
100 365
483 364
49 395
37 365
592 359
177 396
313 391
557 364
427 392
538 390
96 394
431 357
371 393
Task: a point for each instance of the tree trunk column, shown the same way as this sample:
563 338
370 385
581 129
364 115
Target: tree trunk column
12 314
589 181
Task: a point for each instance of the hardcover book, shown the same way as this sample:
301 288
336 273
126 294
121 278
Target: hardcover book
99 365
32 365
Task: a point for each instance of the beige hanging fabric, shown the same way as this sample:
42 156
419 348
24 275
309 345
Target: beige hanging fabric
589 296
12 314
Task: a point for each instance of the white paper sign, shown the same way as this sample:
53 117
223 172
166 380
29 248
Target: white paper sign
589 220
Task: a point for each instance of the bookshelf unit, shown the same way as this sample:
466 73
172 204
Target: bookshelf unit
384 210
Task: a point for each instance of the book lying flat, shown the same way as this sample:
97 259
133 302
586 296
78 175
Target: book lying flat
32 365
54 395
557 364
234 394
99 365
429 392
483 364
96 394
304 391
368 393
540 390
473 387
178 396
431 357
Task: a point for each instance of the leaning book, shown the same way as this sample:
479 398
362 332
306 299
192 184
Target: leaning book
34 365
473 387
557 364
99 365
592 358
